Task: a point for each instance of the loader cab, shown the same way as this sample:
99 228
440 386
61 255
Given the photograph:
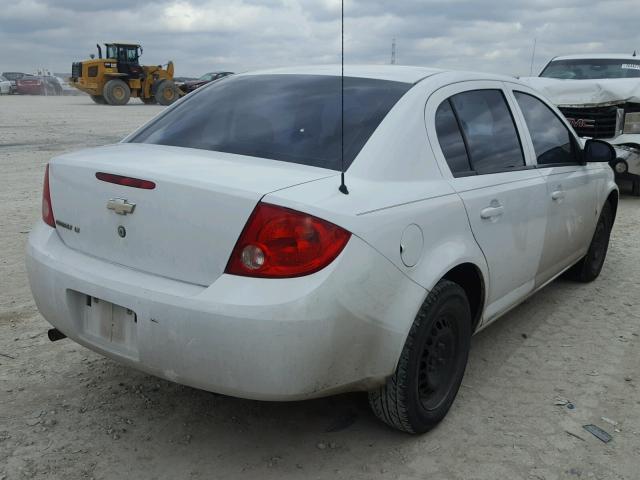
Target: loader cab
128 56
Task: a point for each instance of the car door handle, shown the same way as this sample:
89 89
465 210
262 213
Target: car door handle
492 212
558 195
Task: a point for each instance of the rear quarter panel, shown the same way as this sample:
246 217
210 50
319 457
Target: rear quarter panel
395 182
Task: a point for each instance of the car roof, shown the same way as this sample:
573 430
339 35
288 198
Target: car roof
398 73
598 56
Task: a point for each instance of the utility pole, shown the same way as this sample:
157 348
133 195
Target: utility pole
393 52
533 56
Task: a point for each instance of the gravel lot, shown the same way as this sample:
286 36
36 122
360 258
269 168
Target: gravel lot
66 412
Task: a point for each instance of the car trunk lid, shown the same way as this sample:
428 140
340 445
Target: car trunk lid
186 227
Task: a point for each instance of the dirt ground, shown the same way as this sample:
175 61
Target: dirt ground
66 412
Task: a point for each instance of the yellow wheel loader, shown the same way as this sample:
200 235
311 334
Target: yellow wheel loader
119 76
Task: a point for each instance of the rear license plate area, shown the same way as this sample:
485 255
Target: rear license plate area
110 326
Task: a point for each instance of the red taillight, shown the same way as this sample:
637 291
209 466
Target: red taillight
125 181
47 211
281 243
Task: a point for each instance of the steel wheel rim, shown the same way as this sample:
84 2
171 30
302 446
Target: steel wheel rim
437 363
168 94
118 92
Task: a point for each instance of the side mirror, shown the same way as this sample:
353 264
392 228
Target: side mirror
598 151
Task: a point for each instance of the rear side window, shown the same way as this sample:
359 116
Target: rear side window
551 139
293 118
490 134
451 141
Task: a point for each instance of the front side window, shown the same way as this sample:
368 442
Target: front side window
112 51
489 130
551 139
590 69
292 118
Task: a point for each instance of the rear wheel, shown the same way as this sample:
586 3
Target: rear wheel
99 99
166 92
588 269
116 92
432 363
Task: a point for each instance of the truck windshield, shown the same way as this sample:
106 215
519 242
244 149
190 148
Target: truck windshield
592 69
292 118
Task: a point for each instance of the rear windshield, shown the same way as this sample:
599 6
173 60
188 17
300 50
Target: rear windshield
592 69
293 118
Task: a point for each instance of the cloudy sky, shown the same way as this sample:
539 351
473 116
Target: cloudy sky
237 35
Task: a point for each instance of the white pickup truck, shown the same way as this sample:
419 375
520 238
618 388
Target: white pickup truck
600 96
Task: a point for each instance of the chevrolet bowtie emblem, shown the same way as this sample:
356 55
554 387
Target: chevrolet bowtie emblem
121 206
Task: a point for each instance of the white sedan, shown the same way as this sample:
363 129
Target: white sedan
5 86
218 246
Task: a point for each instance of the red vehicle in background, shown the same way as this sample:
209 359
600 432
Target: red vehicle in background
38 85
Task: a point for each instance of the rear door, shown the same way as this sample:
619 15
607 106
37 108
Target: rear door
478 146
571 187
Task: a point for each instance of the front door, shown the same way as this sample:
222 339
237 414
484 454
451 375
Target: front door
128 61
571 201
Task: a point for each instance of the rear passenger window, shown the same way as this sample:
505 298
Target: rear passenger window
491 137
451 141
551 139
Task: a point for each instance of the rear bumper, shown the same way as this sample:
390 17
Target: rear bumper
625 139
631 157
340 329
30 90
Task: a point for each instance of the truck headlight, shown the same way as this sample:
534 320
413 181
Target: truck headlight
632 123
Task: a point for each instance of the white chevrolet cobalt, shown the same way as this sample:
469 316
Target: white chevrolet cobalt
217 246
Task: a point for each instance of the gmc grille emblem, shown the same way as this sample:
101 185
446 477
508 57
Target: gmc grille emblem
582 122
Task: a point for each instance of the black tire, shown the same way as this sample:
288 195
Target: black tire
635 187
148 100
428 375
99 99
588 269
166 92
116 92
